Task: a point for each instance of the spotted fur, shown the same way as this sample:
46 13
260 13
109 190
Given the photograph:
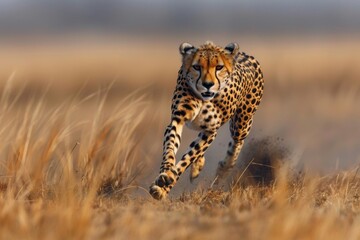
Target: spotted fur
214 85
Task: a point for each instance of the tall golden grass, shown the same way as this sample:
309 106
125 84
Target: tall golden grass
54 170
77 158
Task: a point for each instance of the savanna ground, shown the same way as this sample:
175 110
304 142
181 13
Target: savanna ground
81 133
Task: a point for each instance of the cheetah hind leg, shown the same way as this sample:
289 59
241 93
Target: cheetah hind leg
196 168
228 163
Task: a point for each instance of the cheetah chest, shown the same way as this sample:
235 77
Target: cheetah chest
208 118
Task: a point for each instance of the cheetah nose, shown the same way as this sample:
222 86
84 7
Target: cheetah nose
208 85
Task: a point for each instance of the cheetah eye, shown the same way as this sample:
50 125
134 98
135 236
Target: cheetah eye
219 67
196 67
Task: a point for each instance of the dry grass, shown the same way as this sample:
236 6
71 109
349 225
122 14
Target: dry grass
55 170
76 159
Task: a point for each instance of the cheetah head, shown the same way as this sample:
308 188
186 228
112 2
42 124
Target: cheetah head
207 67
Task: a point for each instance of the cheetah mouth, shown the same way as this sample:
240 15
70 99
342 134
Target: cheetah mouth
207 94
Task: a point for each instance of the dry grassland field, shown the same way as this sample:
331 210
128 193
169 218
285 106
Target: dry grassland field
81 137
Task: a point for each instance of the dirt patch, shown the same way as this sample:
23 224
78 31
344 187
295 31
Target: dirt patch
261 159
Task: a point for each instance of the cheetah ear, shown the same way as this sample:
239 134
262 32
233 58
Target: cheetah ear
231 48
186 48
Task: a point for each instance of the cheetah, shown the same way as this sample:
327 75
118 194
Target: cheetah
214 85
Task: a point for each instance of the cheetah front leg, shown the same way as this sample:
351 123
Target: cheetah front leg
168 173
166 180
195 155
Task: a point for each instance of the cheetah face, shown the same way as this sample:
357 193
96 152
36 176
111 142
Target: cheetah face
207 67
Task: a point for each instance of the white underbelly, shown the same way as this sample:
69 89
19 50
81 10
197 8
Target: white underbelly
194 122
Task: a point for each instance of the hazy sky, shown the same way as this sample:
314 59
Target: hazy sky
198 2
165 16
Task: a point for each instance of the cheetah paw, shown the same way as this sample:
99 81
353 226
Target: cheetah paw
196 168
166 179
194 173
157 192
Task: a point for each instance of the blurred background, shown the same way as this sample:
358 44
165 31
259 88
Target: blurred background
309 52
